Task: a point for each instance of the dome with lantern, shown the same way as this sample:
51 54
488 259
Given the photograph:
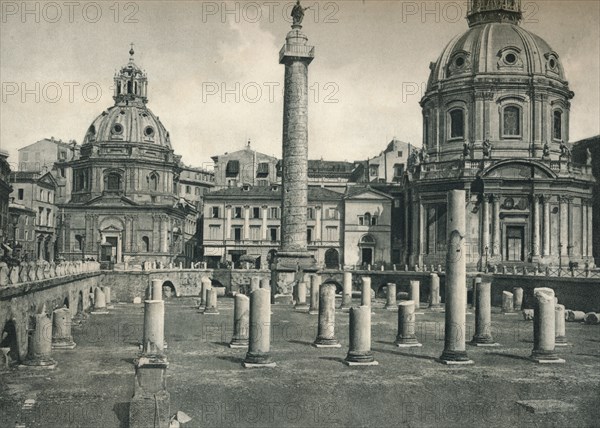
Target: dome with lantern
496 45
129 120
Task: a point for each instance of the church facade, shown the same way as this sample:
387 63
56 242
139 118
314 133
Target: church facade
496 124
125 204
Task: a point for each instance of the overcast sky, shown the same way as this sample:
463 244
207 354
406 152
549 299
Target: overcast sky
372 61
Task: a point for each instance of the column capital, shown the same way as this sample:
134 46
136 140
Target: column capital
494 197
565 199
535 198
264 207
318 207
546 197
228 206
246 207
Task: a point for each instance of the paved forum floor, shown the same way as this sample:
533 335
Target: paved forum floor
92 385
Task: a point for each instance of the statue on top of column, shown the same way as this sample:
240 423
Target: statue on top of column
298 13
588 156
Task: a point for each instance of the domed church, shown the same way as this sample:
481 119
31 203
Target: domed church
496 124
124 205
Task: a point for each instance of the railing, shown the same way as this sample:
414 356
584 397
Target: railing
297 50
548 271
38 271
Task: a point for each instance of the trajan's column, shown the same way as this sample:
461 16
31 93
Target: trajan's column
293 255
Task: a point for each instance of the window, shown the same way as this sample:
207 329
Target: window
41 195
374 220
263 183
113 181
214 212
237 212
214 231
232 169
457 123
153 181
309 234
331 233
197 191
255 233
48 217
274 212
237 233
557 125
398 170
27 221
511 122
373 169
78 240
188 189
145 244
399 153
25 156
273 234
21 194
332 213
40 216
361 220
263 169
27 236
310 213
255 212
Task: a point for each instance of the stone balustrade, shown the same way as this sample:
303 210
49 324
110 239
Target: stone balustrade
40 270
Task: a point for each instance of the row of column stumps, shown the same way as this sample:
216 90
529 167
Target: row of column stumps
54 332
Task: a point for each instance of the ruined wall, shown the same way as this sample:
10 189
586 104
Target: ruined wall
19 302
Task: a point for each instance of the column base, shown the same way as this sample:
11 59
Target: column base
42 363
483 341
326 343
355 358
237 343
408 345
301 307
455 357
545 357
391 307
353 363
313 311
259 359
561 341
99 312
247 365
210 311
540 360
63 344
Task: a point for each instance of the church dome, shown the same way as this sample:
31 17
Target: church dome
128 124
496 45
129 120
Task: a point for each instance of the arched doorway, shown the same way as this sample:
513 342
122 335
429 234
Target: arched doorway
367 249
332 259
168 290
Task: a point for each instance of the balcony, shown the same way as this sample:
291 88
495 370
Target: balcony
296 51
